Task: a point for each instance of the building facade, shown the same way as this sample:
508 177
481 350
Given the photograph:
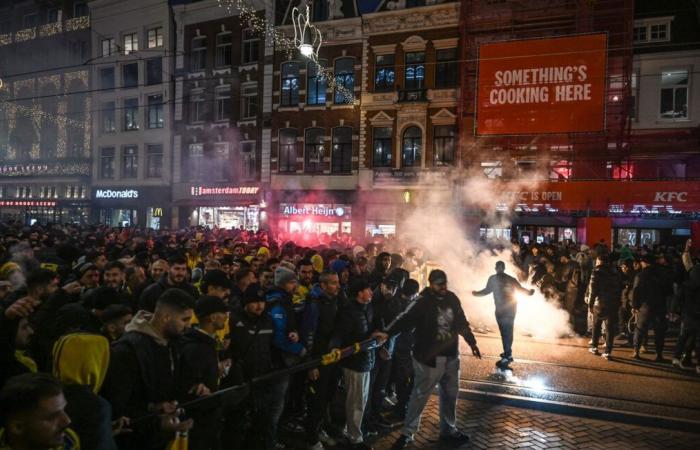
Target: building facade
219 117
45 109
132 64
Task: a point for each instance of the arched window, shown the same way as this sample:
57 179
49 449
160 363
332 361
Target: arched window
290 84
341 160
412 144
314 150
287 155
344 71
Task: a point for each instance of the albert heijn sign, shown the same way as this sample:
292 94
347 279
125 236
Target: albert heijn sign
681 196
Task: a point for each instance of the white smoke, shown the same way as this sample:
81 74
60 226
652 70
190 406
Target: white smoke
441 232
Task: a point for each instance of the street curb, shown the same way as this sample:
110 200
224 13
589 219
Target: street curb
589 412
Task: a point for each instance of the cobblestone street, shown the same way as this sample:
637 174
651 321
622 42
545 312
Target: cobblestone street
496 426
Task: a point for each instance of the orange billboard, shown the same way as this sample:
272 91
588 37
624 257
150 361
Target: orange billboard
553 85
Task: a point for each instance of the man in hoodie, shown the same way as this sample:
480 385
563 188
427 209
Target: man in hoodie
504 287
438 320
604 294
175 277
144 370
318 325
200 356
381 269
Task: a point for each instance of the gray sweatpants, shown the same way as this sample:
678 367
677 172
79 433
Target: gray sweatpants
357 387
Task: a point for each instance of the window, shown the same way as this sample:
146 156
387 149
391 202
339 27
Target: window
290 84
250 46
634 91
223 49
154 161
195 161
30 21
492 169
384 73
131 108
155 111
412 143
196 106
620 170
130 162
80 9
674 94
130 75
53 15
344 72
131 43
107 163
415 70
109 47
316 84
652 30
444 145
314 150
109 117
382 147
287 157
560 170
320 10
155 37
446 68
199 53
249 102
107 78
341 159
220 171
223 102
248 161
154 71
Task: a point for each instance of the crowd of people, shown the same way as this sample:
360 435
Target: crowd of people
117 338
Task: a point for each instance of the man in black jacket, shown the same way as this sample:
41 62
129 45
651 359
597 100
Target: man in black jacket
318 325
175 277
144 371
355 323
650 308
438 320
504 288
199 348
604 293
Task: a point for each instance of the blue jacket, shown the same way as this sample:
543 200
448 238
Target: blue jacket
283 322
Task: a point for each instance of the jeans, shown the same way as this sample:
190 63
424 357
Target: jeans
505 325
690 330
379 379
357 387
645 320
610 330
320 396
403 378
446 375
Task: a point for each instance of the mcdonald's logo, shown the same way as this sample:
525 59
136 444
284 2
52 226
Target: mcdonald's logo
157 212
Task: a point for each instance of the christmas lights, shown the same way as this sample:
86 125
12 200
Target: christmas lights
307 38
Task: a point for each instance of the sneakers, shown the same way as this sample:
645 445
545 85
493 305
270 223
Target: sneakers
403 442
317 446
503 362
593 350
607 356
636 355
456 438
677 363
643 348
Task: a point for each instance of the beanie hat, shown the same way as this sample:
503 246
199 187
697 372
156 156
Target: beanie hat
339 265
254 293
83 268
207 305
437 276
283 276
357 250
317 262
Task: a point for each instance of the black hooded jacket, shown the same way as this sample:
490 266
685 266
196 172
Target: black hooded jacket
355 323
150 295
605 288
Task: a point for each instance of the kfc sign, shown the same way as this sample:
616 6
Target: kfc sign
535 86
671 197
109 193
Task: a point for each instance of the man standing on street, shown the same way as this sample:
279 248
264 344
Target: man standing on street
504 287
604 293
438 320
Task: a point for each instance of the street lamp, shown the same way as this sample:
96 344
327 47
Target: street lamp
307 38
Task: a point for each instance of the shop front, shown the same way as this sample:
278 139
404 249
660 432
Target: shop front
330 212
146 207
635 213
45 211
221 206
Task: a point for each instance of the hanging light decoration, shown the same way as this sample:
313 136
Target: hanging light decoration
307 38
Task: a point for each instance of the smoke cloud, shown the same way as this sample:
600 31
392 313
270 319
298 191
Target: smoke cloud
441 232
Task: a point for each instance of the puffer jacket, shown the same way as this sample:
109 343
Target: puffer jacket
251 347
604 290
318 321
646 291
355 323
